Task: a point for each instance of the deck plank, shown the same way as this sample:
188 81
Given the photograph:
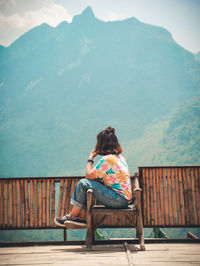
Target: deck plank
155 254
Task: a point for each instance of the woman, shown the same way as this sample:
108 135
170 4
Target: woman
112 169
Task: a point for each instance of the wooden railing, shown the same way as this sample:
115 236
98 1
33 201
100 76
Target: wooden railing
170 196
32 203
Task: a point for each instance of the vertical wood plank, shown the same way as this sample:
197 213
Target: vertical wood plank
186 197
151 197
148 198
144 193
165 197
177 197
189 196
40 207
74 182
5 203
173 196
23 214
27 210
194 209
35 184
53 194
60 198
155 207
197 192
1 202
44 193
32 203
18 204
48 203
169 192
10 214
161 195
68 195
14 203
180 184
158 197
63 204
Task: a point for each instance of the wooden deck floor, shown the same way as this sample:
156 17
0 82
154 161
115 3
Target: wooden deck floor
109 255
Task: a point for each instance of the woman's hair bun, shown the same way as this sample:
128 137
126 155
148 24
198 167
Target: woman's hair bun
109 130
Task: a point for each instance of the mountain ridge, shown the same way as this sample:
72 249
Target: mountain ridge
88 13
71 82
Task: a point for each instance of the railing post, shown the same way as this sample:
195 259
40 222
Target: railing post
65 234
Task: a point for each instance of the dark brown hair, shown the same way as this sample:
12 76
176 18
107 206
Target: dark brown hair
107 142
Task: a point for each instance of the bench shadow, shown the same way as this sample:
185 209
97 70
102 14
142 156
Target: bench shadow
98 249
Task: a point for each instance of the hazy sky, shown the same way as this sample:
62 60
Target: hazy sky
180 17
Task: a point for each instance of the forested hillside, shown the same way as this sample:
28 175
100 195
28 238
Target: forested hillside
173 141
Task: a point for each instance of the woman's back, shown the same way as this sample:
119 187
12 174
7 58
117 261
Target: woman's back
115 173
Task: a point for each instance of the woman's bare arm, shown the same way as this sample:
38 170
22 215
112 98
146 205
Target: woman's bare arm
89 169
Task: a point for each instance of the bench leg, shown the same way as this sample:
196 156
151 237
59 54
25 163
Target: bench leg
89 239
140 231
90 229
140 235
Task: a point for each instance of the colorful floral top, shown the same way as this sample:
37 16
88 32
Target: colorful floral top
115 173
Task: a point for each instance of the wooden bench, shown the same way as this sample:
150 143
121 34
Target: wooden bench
100 216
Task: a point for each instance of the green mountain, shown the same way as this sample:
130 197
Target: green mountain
173 141
60 86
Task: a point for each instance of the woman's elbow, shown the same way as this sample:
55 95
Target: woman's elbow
90 175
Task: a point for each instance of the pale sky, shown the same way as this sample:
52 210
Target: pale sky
180 17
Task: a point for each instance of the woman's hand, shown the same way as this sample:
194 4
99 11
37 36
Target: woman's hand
93 154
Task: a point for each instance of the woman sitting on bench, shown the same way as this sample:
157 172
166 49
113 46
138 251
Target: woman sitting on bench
109 180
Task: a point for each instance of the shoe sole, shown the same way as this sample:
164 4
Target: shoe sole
58 224
75 225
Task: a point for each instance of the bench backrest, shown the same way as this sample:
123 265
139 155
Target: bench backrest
170 196
34 202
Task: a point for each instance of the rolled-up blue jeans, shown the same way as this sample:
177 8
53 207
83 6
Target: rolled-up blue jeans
103 194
